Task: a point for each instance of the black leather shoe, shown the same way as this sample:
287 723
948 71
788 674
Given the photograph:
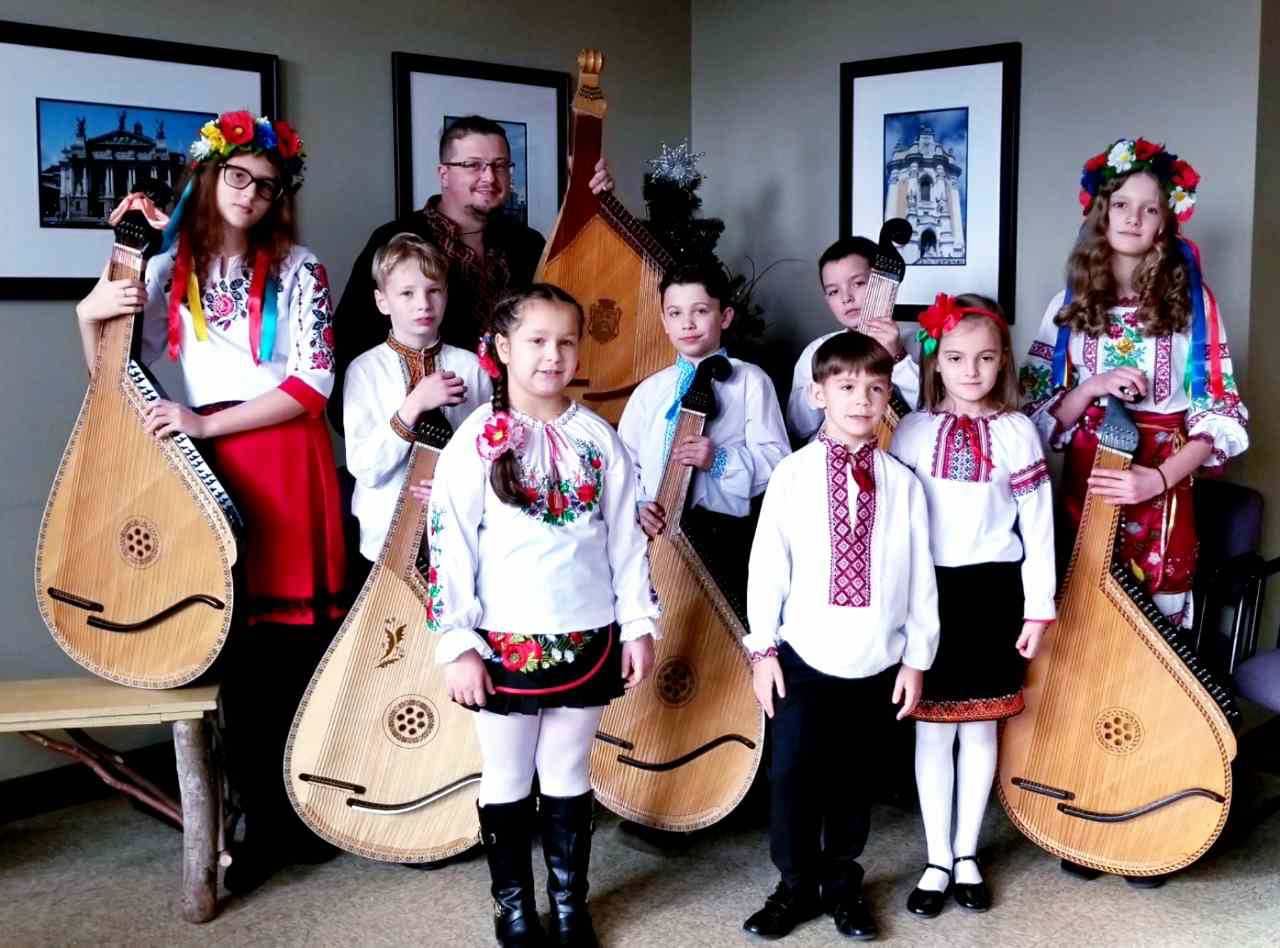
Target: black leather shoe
567 825
975 897
853 919
507 832
783 911
925 902
1146 882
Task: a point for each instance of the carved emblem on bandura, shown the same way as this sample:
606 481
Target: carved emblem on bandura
1118 731
604 320
675 682
411 721
139 542
395 650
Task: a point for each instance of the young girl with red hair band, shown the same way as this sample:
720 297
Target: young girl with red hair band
542 598
1136 321
991 535
244 309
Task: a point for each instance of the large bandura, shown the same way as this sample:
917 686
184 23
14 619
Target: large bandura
379 761
1122 759
883 280
602 255
134 557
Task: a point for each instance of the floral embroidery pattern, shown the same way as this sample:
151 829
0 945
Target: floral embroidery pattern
562 501
501 434
1037 383
1162 385
1125 344
322 317
226 301
435 599
532 653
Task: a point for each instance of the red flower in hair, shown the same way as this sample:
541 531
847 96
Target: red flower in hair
1085 199
287 141
237 127
1096 162
1184 175
941 317
1143 149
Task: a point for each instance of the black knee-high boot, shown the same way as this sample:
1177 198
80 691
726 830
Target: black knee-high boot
507 831
567 823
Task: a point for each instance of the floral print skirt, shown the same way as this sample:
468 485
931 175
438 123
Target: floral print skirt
571 670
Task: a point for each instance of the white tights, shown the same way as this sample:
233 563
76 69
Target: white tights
946 786
555 743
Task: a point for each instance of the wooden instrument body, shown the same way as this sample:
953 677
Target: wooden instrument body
881 295
379 761
1122 759
680 751
134 555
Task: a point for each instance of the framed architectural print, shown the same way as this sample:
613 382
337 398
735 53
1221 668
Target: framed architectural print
532 106
933 138
86 115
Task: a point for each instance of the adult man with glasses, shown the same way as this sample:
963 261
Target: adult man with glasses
487 251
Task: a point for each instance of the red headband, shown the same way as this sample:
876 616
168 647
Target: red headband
943 316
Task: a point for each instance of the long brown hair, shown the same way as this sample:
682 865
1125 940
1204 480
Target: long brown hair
1005 395
1164 306
504 476
275 233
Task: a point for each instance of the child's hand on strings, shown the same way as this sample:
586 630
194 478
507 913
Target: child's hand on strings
1125 382
421 491
637 660
165 418
467 681
111 298
766 677
1121 488
653 519
885 332
907 689
437 389
1029 641
695 451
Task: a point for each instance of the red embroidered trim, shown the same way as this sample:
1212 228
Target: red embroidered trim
1164 368
403 431
1042 350
770 652
1029 478
850 581
971 709
1091 354
953 458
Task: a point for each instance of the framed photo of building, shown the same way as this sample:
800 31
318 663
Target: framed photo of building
84 116
933 138
531 105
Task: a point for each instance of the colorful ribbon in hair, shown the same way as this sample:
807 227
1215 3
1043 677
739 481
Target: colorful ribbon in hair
943 316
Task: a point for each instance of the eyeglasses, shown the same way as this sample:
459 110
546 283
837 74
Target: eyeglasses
501 167
269 189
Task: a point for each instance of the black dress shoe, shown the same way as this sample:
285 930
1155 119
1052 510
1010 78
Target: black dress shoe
853 919
925 902
783 911
975 897
1080 872
1147 882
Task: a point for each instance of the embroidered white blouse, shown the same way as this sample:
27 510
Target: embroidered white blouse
748 433
804 418
574 559
377 455
989 497
1163 360
221 368
841 572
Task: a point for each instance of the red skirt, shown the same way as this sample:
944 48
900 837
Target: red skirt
1158 536
284 481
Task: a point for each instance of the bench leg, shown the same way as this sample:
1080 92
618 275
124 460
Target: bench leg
199 819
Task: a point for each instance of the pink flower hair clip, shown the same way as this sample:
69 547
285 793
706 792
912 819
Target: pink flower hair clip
501 434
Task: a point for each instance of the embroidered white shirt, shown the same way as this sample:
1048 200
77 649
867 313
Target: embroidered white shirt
800 564
377 457
748 434
804 418
991 505
575 559
221 368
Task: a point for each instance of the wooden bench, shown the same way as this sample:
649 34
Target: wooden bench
72 704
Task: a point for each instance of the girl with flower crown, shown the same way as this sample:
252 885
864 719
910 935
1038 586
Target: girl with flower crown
541 596
991 535
245 311
1137 322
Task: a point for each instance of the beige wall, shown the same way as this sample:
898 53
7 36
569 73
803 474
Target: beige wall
336 83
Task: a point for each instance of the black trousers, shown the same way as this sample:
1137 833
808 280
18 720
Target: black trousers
826 732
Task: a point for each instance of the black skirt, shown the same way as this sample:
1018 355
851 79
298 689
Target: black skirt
574 670
977 674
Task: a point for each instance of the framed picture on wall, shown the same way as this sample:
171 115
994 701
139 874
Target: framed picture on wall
83 117
933 138
532 106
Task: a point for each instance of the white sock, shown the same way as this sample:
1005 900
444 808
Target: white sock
975 771
564 750
935 783
507 746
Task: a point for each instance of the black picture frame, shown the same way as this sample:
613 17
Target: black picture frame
424 142
265 65
1009 58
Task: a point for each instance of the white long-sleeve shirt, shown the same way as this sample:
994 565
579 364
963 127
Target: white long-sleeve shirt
575 559
840 573
377 454
748 433
988 507
804 418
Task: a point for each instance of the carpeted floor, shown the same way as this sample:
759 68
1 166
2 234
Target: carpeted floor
104 874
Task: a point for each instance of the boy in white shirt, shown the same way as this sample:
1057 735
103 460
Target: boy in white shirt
843 270
392 385
843 612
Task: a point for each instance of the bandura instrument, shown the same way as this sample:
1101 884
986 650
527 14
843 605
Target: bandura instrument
379 761
1122 759
679 752
134 556
885 277
610 263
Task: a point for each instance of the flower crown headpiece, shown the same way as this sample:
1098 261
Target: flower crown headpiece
1125 156
239 132
943 316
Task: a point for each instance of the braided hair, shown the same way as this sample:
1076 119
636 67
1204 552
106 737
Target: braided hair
505 473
